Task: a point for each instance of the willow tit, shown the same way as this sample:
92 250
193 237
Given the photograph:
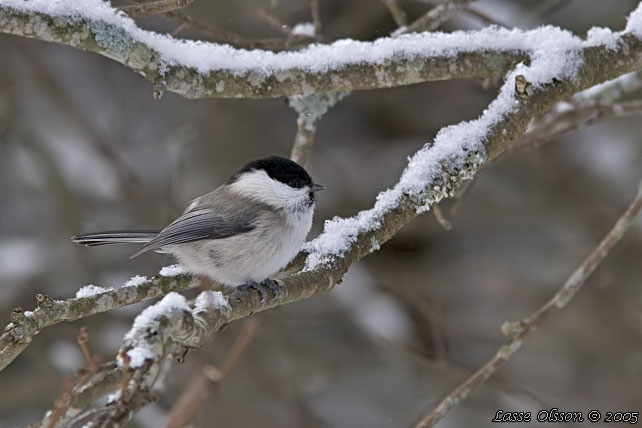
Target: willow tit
239 234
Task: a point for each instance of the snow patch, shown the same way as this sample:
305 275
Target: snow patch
303 29
210 300
137 356
634 22
113 397
135 281
597 36
173 270
148 320
171 302
91 290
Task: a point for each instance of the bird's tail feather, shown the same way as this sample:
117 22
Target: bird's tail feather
115 237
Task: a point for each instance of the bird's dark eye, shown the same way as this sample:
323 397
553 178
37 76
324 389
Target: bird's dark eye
293 183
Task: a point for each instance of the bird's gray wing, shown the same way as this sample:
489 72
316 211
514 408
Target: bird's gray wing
197 225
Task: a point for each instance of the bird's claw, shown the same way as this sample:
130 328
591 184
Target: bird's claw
260 287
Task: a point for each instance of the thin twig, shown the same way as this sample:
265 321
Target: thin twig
62 402
434 18
484 17
560 123
545 11
192 400
237 40
124 380
521 330
271 20
156 7
441 219
291 40
459 197
75 389
117 413
310 109
83 342
245 337
397 12
303 142
315 11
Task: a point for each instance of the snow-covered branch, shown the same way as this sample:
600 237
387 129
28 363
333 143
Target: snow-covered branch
198 69
598 103
89 300
169 324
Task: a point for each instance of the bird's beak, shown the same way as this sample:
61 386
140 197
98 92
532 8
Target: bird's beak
316 187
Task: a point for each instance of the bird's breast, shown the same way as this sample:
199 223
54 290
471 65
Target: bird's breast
250 256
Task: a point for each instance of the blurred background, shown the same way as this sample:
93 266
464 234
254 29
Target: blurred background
84 147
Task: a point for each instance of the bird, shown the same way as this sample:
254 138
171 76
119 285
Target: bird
241 233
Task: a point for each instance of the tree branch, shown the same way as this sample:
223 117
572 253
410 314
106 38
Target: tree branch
310 109
26 324
210 70
578 118
598 103
199 390
272 44
396 11
154 7
521 330
434 18
315 11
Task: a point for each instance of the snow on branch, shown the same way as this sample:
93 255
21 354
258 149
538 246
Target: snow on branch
156 331
197 69
89 300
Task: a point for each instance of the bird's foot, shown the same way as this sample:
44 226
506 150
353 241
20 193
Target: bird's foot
260 287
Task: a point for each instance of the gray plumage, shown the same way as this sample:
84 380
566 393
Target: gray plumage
196 225
115 237
242 232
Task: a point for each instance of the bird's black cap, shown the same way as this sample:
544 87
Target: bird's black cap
280 169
